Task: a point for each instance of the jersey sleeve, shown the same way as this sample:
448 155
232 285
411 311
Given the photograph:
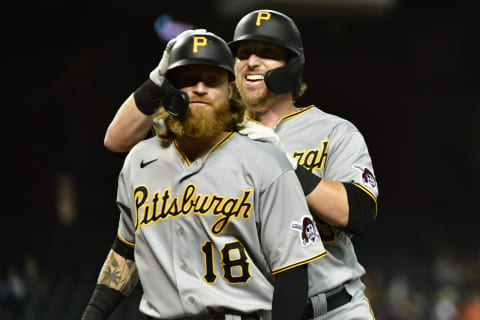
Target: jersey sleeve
288 234
349 160
126 223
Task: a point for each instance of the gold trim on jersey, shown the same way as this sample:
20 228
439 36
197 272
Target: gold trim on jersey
180 152
287 117
128 243
217 145
370 194
297 113
369 308
299 263
162 206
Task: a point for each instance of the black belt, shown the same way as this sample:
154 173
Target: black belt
334 301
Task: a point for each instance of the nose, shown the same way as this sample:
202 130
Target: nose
253 61
200 88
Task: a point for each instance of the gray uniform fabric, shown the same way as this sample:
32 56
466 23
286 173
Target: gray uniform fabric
332 148
209 235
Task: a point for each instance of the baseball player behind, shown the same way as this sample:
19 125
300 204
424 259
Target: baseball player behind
212 223
330 156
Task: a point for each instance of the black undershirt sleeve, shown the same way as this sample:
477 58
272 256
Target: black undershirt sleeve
290 294
123 249
362 210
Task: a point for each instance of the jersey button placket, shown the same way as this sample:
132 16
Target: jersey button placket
184 271
196 166
192 169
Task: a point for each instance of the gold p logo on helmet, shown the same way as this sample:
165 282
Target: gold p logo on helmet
199 41
262 15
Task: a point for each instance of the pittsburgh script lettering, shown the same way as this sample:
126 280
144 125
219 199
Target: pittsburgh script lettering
162 206
313 159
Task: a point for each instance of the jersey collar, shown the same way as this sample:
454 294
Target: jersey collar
216 146
296 113
287 117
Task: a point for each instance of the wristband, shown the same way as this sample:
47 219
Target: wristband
148 97
307 179
102 303
92 313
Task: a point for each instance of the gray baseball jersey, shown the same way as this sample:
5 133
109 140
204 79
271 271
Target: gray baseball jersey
209 235
331 148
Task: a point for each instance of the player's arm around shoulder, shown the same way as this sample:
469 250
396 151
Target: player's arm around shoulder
128 127
347 197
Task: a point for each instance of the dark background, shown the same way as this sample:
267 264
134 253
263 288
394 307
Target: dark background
407 78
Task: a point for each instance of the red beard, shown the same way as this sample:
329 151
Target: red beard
202 122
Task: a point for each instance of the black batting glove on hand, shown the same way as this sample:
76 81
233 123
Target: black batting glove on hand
156 90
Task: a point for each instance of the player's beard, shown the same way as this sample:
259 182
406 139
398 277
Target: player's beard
254 104
202 122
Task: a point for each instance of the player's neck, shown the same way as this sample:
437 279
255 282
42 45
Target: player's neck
194 148
275 110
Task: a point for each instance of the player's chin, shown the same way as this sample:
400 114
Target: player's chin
252 92
256 97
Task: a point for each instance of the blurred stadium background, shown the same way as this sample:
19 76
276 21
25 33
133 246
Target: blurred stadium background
404 72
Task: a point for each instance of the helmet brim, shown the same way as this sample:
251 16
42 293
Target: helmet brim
234 44
201 61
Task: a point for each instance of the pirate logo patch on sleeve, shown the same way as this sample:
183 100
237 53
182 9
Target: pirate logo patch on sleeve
307 231
367 176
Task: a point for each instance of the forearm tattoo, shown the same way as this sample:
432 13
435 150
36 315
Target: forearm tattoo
119 273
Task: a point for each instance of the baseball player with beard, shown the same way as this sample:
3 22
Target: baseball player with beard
214 225
329 153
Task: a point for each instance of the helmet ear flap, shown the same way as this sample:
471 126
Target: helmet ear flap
287 78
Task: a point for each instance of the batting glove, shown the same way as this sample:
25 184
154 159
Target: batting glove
258 132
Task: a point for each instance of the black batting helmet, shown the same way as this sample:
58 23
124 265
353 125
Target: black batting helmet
204 48
200 48
277 28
